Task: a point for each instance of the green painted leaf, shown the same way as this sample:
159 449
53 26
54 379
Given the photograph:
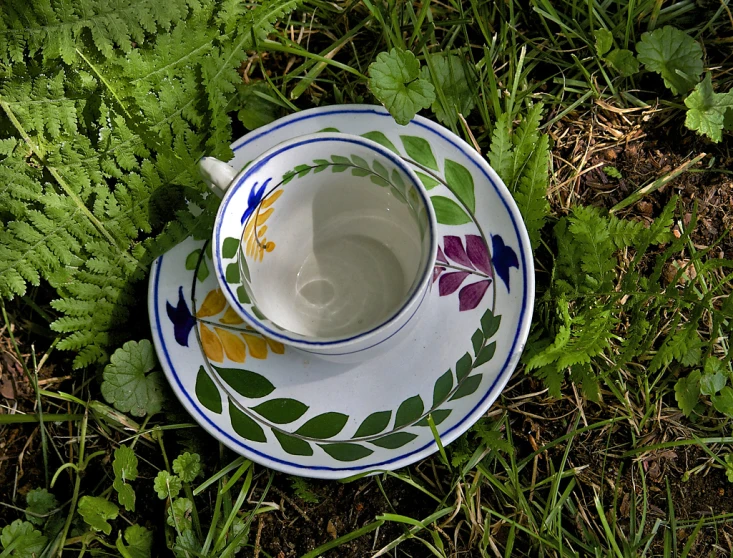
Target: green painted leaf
442 387
394 441
460 182
232 273
282 410
409 411
341 160
486 354
246 383
293 445
334 130
229 247
323 426
374 424
463 367
245 268
346 451
192 259
397 181
723 402
428 181
439 415
419 150
468 386
490 323
206 391
360 172
604 41
245 426
394 79
687 392
674 55
203 271
359 162
338 168
96 511
256 311
477 339
380 170
242 295
448 212
381 139
378 180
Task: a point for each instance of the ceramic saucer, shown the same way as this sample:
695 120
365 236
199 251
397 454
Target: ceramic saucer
304 416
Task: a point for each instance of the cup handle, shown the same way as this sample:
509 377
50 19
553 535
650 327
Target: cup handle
217 175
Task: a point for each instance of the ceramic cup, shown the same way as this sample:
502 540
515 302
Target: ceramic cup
325 243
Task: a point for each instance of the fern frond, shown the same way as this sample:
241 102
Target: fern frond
500 155
531 193
590 230
683 345
624 233
525 140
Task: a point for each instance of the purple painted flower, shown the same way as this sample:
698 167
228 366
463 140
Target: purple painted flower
504 258
437 270
254 199
455 251
478 253
471 295
450 282
441 257
182 319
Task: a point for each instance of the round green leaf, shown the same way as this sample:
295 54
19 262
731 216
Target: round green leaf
206 391
394 441
293 445
245 426
246 383
409 411
373 424
346 451
323 426
448 212
281 410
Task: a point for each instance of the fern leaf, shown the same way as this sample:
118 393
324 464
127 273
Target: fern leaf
500 155
531 194
623 232
525 140
590 229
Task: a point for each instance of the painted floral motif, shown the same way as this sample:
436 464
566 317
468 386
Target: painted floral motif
256 215
221 337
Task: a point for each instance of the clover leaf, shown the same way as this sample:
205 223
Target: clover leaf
395 80
128 381
706 109
674 55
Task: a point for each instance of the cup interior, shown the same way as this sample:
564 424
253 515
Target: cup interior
336 237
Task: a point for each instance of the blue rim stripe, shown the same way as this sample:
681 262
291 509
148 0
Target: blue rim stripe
499 378
218 259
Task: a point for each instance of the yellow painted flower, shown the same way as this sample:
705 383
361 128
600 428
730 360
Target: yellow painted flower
254 238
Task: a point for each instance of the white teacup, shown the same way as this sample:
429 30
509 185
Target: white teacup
326 243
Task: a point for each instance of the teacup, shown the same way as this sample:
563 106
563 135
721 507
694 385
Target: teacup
325 243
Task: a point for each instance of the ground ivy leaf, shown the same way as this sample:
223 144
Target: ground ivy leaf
257 107
125 464
460 182
187 466
442 387
40 501
323 426
394 440
27 541
245 426
409 410
140 540
166 485
623 61
450 76
96 511
394 79
128 382
706 109
604 41
674 55
712 382
179 514
448 212
374 424
125 494
281 411
468 386
246 383
687 392
293 445
346 451
723 402
207 392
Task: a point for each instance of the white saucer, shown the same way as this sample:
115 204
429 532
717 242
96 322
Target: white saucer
308 417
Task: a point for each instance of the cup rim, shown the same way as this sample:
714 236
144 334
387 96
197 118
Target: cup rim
417 294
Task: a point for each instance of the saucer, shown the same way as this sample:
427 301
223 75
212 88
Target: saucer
304 416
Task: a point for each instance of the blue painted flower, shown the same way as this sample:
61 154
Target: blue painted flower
254 199
182 319
503 258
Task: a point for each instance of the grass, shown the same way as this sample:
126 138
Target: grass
621 474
